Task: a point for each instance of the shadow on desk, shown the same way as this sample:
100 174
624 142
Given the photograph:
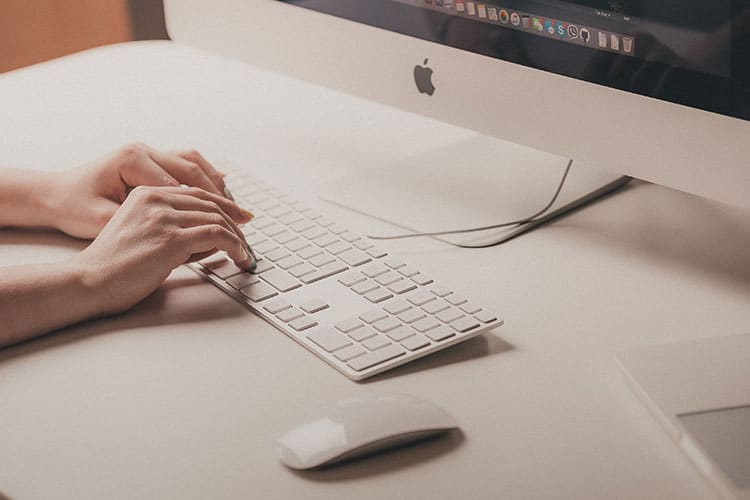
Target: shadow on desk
386 461
157 310
479 347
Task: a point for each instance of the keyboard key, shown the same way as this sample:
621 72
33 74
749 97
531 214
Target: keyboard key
376 253
297 244
421 279
325 240
486 317
440 333
408 271
421 298
289 261
415 343
290 218
267 204
337 229
375 343
411 315
314 306
278 254
354 257
255 239
225 270
349 325
425 324
387 278
325 222
276 306
372 316
449 315
365 287
379 295
279 211
402 286
242 280
280 280
465 324
259 292
289 314
385 325
266 247
330 340
262 266
440 291
456 300
262 222
314 232
349 236
302 225
403 332
374 269
322 259
397 307
324 272
352 278
435 307
301 270
472 309
338 248
274 230
361 334
309 252
393 263
363 244
302 324
376 357
348 353
285 237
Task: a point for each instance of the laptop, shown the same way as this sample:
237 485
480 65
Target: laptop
699 391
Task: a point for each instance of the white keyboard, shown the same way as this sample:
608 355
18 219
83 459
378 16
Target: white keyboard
355 306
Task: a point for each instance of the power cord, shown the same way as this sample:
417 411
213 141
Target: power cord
520 222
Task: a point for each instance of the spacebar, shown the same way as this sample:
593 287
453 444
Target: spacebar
375 358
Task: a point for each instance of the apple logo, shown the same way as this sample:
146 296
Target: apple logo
423 79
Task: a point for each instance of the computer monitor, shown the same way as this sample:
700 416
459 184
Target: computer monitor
659 90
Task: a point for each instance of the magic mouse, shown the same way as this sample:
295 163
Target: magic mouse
360 426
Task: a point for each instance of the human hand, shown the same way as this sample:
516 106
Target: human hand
84 199
154 231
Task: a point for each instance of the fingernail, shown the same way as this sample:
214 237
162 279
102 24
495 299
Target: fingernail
228 193
252 255
247 213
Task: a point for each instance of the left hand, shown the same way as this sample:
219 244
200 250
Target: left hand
84 199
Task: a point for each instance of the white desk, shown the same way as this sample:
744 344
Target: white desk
182 397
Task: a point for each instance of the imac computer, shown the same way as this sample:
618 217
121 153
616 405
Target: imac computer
656 90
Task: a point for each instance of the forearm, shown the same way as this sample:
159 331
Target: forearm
24 198
37 299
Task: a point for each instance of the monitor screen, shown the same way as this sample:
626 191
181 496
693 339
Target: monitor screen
695 53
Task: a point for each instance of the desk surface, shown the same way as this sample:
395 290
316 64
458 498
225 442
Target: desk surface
183 396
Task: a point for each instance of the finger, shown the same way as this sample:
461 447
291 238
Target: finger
236 212
192 218
200 256
185 171
211 171
200 239
139 169
208 211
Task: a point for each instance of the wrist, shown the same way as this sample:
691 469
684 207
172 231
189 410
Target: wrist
89 286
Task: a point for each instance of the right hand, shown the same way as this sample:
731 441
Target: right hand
154 231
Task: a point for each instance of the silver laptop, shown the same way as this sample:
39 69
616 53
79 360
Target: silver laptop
700 392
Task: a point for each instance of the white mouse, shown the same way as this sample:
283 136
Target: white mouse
360 426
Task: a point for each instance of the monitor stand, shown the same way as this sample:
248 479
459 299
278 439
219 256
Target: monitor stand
476 182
